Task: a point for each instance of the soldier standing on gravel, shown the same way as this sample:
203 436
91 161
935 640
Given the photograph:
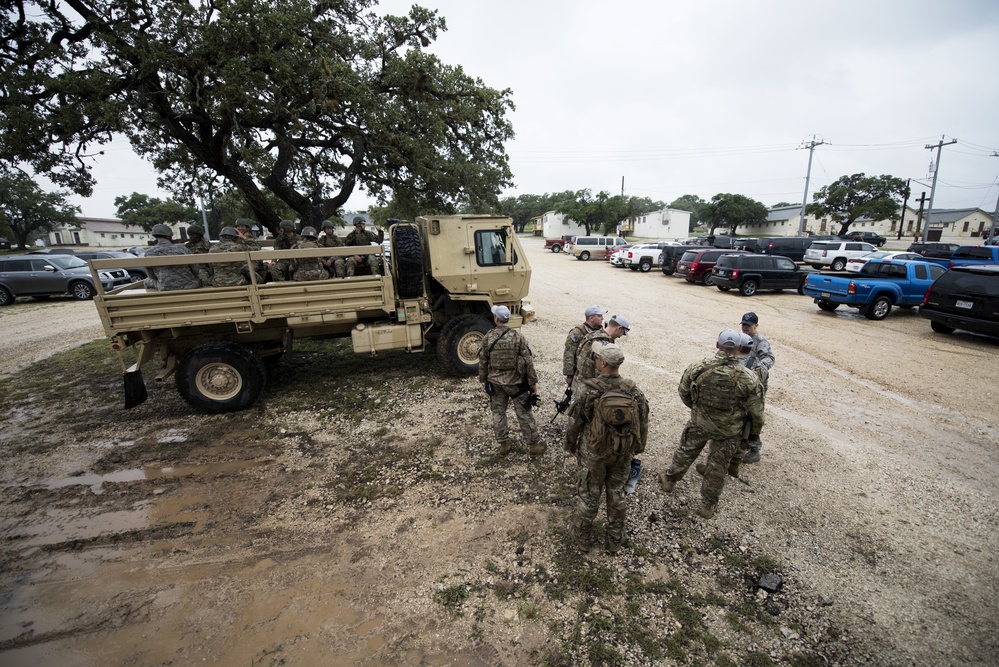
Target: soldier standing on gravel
586 366
506 365
594 321
602 470
759 360
334 265
166 278
724 398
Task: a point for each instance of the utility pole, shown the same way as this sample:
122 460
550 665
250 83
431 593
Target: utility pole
936 170
905 202
622 186
919 214
995 217
808 175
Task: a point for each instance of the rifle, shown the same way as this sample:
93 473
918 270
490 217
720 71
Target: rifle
563 405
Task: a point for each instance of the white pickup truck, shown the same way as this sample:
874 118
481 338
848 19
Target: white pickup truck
643 256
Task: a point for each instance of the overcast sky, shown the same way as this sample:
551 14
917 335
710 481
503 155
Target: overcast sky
718 96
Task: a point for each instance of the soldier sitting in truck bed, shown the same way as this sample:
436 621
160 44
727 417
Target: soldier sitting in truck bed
360 237
334 265
225 274
308 268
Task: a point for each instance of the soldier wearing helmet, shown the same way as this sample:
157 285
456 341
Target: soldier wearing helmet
334 265
166 278
286 240
245 235
197 243
308 268
361 237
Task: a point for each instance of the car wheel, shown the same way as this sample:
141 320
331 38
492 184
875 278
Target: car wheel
136 276
585 255
6 298
459 342
748 288
633 268
838 264
826 305
707 280
668 269
941 328
220 377
879 308
816 266
81 291
556 248
645 266
722 289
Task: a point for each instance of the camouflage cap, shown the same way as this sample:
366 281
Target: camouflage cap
611 354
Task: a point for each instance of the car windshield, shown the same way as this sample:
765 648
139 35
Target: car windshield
876 255
66 261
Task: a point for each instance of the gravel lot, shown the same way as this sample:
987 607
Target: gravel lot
877 493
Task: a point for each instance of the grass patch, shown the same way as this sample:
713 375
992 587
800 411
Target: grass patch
452 598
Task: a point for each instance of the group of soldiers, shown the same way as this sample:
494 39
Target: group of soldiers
609 415
239 238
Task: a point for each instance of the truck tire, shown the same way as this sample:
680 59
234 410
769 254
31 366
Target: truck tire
748 288
6 298
220 377
645 265
459 342
838 264
827 306
879 308
669 269
407 253
81 290
941 328
556 248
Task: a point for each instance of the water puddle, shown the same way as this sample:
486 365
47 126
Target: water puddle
96 482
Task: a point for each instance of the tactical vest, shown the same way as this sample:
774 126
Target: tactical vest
714 388
503 353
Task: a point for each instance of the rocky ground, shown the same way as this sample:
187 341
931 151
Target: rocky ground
359 516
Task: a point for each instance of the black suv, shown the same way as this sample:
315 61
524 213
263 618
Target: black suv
750 273
867 237
671 255
788 246
941 250
966 297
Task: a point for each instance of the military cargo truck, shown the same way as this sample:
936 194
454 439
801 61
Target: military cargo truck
439 281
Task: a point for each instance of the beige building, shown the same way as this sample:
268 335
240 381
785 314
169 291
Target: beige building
106 233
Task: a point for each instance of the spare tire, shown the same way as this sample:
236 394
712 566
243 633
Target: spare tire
407 255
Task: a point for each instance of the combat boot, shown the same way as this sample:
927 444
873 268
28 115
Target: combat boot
706 510
700 469
753 455
537 449
666 483
504 447
733 469
582 536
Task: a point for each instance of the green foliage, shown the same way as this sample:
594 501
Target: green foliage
452 598
728 211
850 198
307 99
138 210
691 203
603 213
28 211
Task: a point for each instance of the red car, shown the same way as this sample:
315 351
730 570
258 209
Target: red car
611 250
695 265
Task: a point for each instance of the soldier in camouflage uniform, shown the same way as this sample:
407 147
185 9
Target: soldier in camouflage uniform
245 235
334 265
602 473
308 268
360 237
725 401
197 243
287 238
586 367
505 365
166 278
226 274
760 360
594 322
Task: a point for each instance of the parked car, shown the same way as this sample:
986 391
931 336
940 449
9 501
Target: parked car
644 256
879 286
854 265
4 243
671 255
585 247
52 251
617 257
967 298
867 237
137 250
750 273
787 246
967 255
933 249
556 245
137 273
695 265
834 254
47 275
613 249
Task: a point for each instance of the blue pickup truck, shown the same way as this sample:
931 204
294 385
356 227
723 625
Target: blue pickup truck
880 285
967 255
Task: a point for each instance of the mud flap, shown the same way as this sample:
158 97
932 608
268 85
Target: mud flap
135 388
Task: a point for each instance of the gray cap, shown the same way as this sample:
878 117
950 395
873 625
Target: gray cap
162 230
747 341
730 338
502 313
611 353
309 232
622 322
595 310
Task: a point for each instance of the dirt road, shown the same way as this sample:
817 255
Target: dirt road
345 522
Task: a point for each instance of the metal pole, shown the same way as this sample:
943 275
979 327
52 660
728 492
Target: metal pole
905 202
808 175
933 188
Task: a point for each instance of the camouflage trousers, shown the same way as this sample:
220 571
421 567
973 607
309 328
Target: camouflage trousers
280 270
503 395
374 263
720 453
336 266
603 477
310 274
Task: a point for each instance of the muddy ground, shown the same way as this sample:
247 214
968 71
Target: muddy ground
359 516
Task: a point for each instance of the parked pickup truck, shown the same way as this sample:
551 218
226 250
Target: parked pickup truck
880 285
557 245
967 255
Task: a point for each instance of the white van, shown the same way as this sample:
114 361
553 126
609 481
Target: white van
586 246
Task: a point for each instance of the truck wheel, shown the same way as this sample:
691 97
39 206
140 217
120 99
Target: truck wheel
827 306
879 308
941 328
838 264
220 377
669 269
6 298
81 291
459 342
407 253
585 255
645 265
556 248
748 288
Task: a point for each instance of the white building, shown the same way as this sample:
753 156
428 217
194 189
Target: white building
669 224
106 233
555 225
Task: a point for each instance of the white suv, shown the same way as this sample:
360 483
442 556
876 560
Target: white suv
834 254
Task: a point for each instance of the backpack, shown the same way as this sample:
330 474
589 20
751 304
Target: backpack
615 429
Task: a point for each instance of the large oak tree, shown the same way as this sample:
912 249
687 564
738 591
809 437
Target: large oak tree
729 211
27 211
309 99
850 198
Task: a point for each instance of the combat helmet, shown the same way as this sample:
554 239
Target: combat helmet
162 230
195 229
242 222
287 225
309 232
228 231
328 224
